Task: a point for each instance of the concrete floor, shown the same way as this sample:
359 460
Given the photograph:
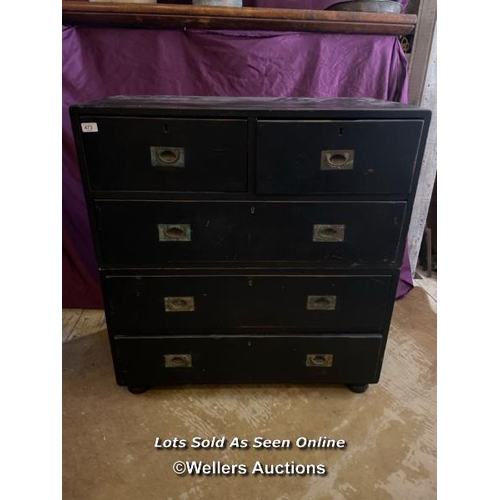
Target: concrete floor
108 433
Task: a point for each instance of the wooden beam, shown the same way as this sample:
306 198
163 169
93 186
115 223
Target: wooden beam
245 18
429 165
422 43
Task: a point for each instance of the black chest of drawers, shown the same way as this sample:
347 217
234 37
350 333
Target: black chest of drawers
248 240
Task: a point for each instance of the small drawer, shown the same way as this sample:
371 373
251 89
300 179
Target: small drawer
342 157
163 304
166 154
340 359
159 233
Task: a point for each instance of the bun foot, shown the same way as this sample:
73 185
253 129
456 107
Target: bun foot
138 389
357 388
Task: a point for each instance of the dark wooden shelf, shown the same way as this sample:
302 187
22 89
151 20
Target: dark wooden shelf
245 18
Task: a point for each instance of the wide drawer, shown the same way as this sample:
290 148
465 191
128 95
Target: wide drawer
162 305
156 233
297 359
162 154
366 156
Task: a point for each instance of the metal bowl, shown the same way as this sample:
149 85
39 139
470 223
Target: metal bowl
388 6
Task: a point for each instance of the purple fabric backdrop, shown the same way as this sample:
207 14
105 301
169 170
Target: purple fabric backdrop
100 62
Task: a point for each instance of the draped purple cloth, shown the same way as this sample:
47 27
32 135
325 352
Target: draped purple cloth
100 62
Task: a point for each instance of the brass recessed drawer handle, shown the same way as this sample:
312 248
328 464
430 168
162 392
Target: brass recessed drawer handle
178 360
166 156
321 302
174 232
179 304
319 360
337 159
328 232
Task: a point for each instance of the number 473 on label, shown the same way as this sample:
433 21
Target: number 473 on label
89 127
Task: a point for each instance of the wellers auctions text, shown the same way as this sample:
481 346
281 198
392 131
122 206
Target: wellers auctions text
217 468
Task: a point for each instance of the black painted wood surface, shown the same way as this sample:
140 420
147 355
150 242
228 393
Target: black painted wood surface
249 232
251 190
247 303
215 106
289 156
228 359
118 156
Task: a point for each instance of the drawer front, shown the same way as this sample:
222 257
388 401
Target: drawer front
343 157
308 358
162 305
156 233
156 154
